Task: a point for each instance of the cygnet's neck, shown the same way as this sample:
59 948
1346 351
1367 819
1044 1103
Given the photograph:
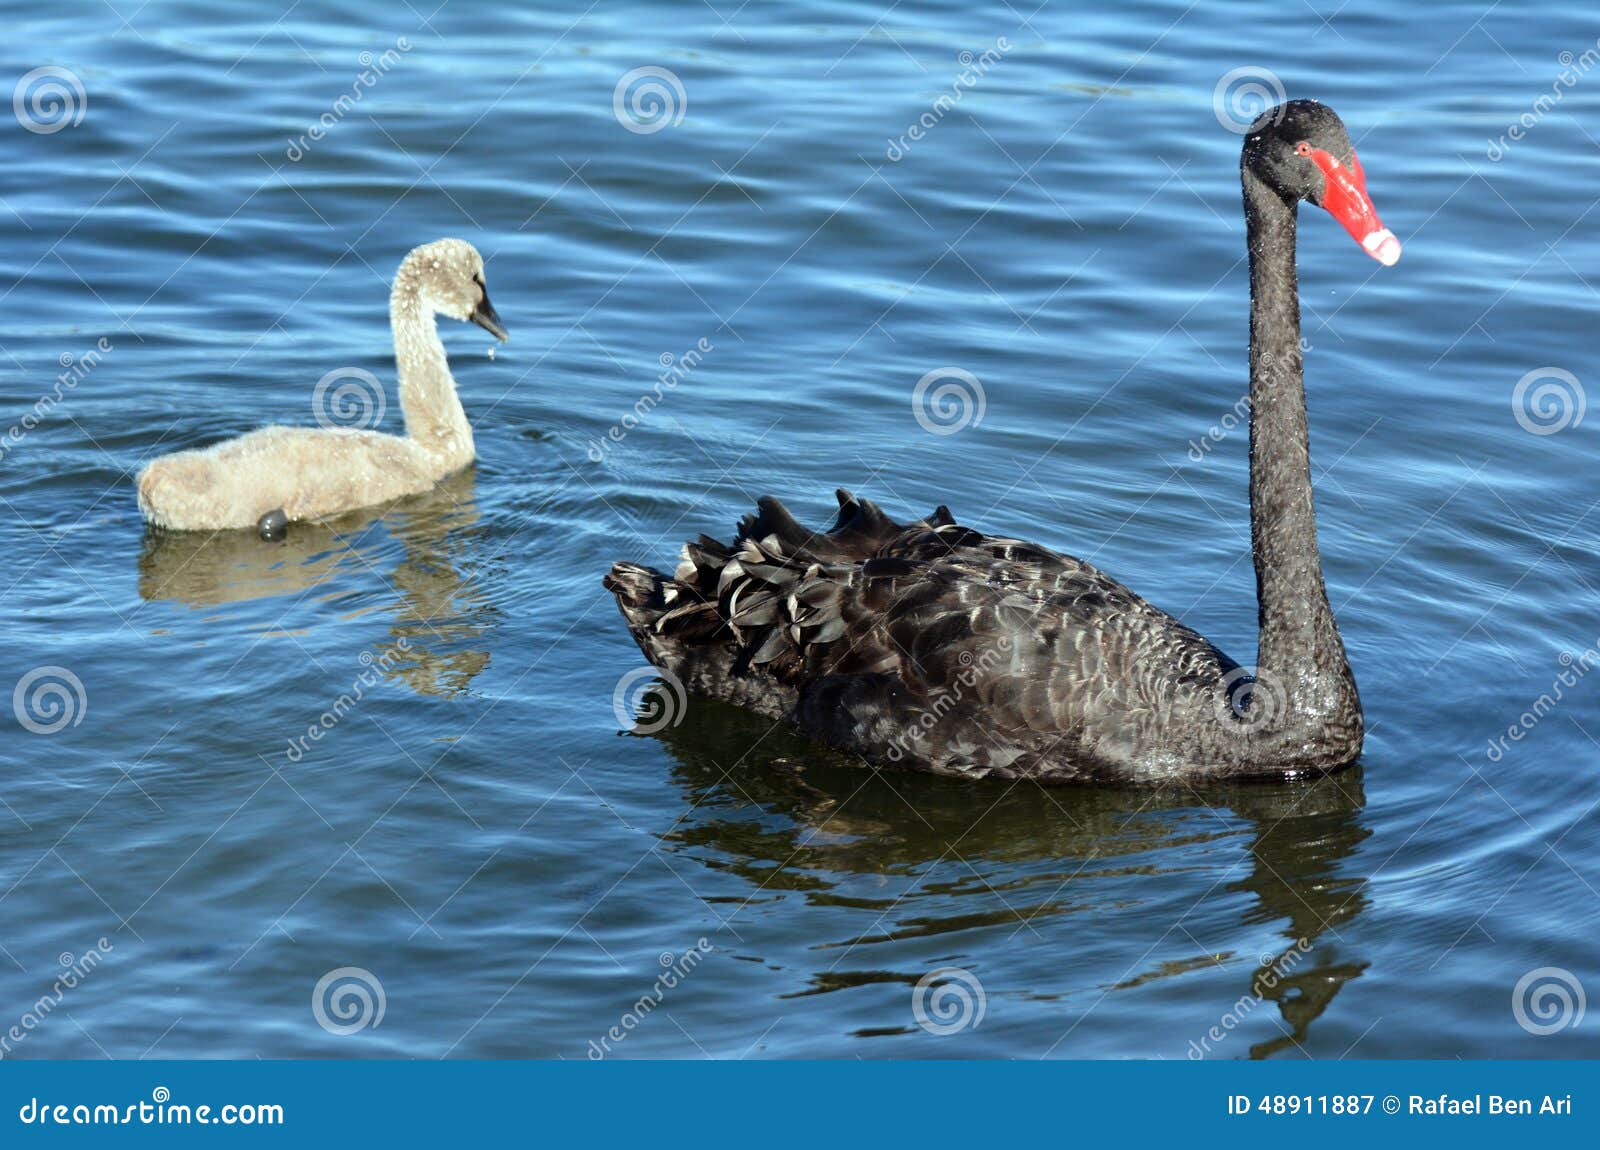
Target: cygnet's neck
435 420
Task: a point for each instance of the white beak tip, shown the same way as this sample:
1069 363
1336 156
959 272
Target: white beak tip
1382 246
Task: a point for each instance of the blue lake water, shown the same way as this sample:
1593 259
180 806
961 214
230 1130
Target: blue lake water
506 872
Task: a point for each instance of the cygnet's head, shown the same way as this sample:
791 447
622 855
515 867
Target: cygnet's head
447 275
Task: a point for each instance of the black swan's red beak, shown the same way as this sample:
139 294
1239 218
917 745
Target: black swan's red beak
1346 200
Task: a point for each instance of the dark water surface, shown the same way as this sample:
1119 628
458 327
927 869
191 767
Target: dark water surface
474 834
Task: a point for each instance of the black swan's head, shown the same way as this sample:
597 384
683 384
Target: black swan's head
1301 150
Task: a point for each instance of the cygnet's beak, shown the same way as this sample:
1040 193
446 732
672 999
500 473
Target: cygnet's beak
488 319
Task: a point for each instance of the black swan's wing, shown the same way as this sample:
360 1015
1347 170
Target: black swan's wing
924 643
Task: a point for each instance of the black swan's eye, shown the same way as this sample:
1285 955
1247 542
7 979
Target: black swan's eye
1303 148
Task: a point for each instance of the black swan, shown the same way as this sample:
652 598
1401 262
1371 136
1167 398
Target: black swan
931 646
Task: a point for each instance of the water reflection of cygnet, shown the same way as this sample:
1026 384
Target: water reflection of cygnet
795 820
440 609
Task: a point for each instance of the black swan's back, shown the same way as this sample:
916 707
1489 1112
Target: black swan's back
929 645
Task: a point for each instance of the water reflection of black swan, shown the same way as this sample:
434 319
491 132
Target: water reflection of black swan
773 819
931 645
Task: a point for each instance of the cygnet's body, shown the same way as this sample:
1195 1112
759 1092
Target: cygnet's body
314 472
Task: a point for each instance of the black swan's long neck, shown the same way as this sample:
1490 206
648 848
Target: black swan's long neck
1301 657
